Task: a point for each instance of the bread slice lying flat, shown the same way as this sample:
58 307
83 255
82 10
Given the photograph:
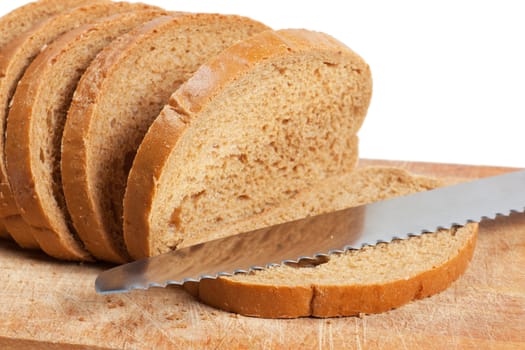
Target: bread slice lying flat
370 280
16 23
117 99
265 118
36 121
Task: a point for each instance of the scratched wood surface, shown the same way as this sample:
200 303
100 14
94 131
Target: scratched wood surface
45 304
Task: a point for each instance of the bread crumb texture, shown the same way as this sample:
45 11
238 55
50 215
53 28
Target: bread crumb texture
384 263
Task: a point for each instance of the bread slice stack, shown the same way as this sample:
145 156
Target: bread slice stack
39 115
16 57
12 26
129 131
36 121
117 99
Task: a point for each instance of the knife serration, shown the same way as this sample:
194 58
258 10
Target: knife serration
317 237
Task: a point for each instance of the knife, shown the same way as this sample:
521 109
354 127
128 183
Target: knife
317 237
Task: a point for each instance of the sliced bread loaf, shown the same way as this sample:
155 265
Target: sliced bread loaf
370 280
14 24
117 99
265 118
14 59
36 121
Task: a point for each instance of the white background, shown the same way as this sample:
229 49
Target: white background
449 76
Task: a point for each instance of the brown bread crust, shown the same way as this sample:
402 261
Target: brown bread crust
194 95
4 234
3 231
20 232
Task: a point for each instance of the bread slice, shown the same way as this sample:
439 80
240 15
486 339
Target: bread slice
117 99
370 280
15 57
36 121
265 118
14 24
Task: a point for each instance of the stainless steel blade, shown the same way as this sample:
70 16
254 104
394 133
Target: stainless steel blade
322 235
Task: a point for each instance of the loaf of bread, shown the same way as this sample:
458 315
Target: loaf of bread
12 25
370 280
116 100
14 59
263 119
33 143
129 131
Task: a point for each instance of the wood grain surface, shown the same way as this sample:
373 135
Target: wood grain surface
45 304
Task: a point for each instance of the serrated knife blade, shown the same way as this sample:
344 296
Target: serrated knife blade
319 236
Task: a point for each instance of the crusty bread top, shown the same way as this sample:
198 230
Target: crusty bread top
110 114
33 144
263 119
233 63
23 18
372 279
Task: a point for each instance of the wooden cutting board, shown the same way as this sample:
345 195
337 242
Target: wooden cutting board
45 304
